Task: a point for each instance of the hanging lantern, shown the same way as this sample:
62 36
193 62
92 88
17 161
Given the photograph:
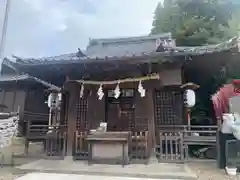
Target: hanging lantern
189 98
81 91
100 92
141 90
117 91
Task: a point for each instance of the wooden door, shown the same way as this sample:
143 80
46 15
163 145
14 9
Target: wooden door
127 115
113 116
120 112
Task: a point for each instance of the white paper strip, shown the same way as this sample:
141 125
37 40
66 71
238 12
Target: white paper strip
117 92
141 90
81 91
100 93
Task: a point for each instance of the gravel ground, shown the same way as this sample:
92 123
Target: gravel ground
8 173
209 171
205 171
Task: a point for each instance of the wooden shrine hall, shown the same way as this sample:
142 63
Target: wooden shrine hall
121 99
126 107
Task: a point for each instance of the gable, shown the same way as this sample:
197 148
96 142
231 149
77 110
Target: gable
120 47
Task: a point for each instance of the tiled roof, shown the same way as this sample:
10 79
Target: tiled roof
102 48
127 48
26 77
46 59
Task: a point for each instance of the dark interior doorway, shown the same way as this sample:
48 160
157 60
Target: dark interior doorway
120 111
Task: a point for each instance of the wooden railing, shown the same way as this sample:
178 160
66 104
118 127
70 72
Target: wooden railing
170 147
52 140
173 141
81 145
190 131
139 146
200 135
35 132
33 117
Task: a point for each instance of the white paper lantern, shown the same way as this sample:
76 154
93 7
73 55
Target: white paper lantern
52 100
50 97
189 98
60 97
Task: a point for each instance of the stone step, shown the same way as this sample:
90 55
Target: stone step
153 170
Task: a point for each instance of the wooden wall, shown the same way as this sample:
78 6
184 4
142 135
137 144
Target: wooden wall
89 111
12 99
35 102
171 77
86 113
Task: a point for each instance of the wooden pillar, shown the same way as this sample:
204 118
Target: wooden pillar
73 97
151 121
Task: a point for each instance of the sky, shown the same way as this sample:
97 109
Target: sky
51 27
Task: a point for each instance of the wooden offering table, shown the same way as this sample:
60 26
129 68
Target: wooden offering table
107 147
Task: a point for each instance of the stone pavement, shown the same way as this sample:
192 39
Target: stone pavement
152 170
54 176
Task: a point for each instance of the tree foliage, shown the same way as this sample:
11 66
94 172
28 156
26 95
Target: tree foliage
200 22
195 22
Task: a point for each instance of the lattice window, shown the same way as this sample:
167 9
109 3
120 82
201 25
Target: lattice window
127 112
123 118
82 108
127 115
168 107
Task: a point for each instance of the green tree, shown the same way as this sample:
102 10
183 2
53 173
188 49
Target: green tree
199 22
194 22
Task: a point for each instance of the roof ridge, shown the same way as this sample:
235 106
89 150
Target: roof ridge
44 57
129 38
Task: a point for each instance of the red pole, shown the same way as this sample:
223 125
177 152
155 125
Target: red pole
189 118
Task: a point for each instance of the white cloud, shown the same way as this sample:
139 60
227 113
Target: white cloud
50 27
